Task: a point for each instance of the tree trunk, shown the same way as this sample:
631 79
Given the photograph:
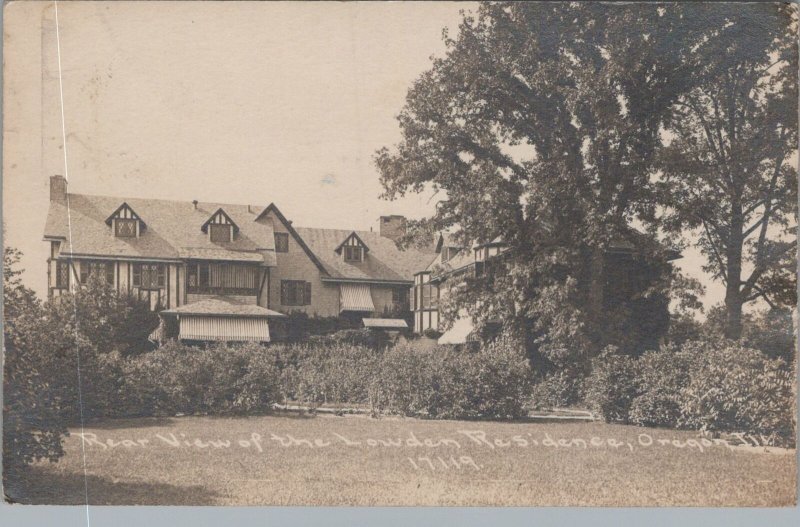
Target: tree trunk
733 293
596 291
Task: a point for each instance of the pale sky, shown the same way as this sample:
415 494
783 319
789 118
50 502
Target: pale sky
215 101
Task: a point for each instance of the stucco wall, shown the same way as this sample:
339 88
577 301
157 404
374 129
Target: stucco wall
296 265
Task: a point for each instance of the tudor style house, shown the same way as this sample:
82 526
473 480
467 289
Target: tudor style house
224 272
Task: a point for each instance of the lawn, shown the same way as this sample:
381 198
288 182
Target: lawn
356 460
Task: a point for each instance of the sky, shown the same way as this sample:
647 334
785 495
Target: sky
231 102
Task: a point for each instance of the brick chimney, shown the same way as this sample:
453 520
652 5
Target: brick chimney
392 227
58 189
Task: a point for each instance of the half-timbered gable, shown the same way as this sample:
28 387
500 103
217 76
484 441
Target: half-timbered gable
220 227
125 223
173 254
353 249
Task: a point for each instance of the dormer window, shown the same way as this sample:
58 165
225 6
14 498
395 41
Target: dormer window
220 233
352 249
353 254
220 227
125 228
448 253
125 223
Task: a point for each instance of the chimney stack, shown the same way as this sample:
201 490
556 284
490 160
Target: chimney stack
393 227
58 189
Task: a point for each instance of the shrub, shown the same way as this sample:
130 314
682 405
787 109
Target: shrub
662 377
737 389
407 377
333 373
33 424
299 326
612 385
501 382
445 383
354 337
560 389
432 334
220 379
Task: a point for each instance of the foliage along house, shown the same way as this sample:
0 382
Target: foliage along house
627 275
223 272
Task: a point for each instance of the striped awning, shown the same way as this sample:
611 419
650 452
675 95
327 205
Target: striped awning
237 329
355 297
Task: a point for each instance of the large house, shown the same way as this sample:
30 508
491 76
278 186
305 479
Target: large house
224 272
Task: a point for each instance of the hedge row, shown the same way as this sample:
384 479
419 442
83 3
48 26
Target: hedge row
439 382
711 386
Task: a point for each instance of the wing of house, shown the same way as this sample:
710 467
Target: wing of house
454 262
182 256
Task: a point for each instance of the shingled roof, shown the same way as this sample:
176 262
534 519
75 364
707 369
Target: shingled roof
385 261
174 233
173 230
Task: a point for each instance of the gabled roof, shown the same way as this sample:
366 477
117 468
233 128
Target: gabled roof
446 239
223 307
173 230
116 214
462 259
353 235
173 234
221 212
385 262
288 225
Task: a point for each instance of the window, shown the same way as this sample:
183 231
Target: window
352 253
295 293
426 296
282 242
205 278
125 228
62 275
97 268
448 253
400 297
220 233
149 276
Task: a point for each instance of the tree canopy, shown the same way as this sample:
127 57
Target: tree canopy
540 125
726 167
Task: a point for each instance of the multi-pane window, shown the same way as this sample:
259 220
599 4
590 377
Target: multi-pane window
62 275
125 228
97 268
149 276
426 296
204 277
282 242
220 233
400 297
353 253
295 293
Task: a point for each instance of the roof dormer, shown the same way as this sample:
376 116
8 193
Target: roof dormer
220 227
125 223
352 249
447 246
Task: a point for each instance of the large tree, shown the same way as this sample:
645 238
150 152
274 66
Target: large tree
540 126
726 169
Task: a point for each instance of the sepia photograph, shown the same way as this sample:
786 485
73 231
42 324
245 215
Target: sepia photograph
369 254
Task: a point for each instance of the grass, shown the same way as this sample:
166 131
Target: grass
618 470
